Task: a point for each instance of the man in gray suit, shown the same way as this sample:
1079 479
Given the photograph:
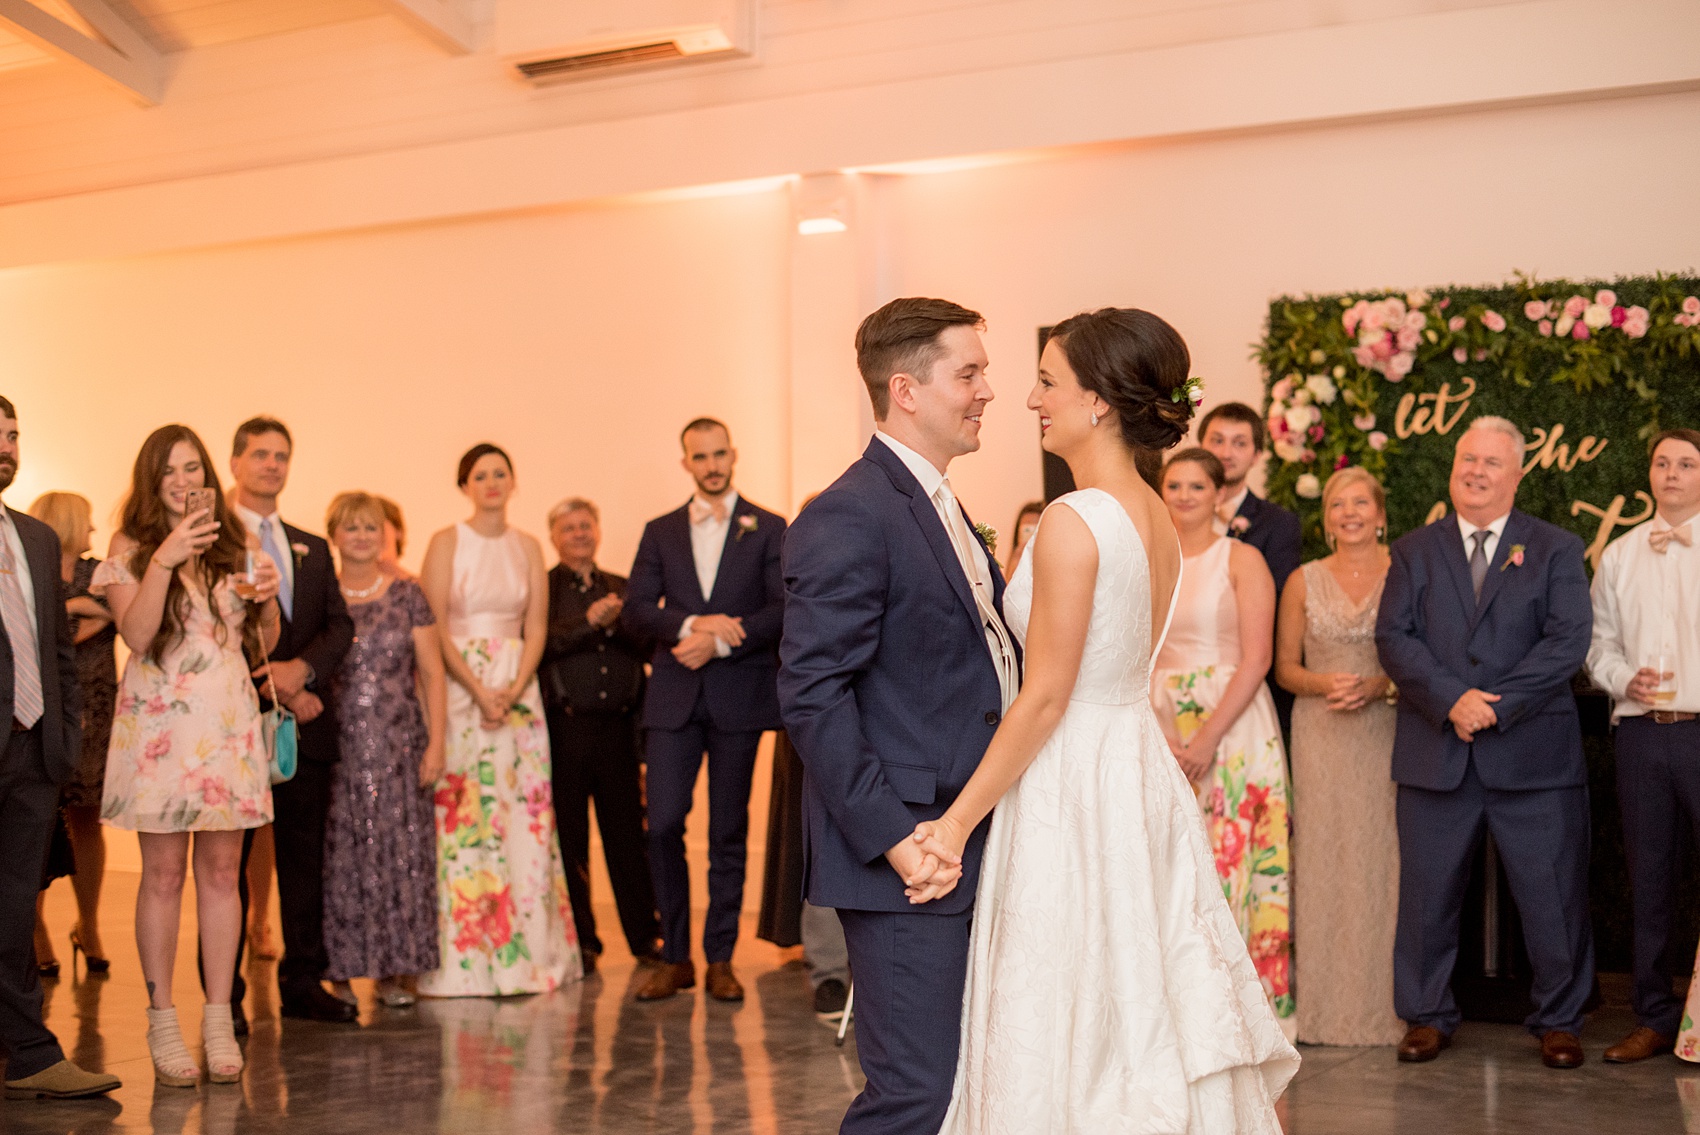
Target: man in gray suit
40 731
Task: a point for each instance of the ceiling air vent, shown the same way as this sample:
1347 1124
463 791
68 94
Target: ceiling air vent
567 66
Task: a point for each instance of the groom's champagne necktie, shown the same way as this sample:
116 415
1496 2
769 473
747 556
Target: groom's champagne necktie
973 560
1478 562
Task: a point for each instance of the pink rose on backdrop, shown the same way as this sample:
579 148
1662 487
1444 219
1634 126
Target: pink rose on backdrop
1493 321
1341 462
1605 297
1444 304
1580 331
1378 441
1354 315
1534 310
1544 327
1399 366
1553 308
1691 305
1408 339
1479 354
1460 355
1364 421
1315 433
1416 320
1364 357
1618 315
1575 306
1282 390
1456 323
1636 321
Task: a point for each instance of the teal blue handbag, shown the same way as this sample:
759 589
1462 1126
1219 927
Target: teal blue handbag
280 732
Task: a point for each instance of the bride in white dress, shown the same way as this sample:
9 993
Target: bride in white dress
1109 989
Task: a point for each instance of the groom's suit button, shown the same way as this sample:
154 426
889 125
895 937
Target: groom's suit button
991 718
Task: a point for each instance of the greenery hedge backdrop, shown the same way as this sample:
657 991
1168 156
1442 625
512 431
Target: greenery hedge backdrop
1388 380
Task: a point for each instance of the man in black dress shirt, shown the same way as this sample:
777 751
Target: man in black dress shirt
592 679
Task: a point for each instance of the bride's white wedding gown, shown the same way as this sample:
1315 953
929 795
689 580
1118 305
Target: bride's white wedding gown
1109 989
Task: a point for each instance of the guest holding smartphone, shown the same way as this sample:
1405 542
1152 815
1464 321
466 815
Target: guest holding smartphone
188 763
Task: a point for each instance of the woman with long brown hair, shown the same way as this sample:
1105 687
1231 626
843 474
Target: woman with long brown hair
187 753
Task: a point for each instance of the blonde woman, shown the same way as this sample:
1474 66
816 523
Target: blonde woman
70 517
1343 790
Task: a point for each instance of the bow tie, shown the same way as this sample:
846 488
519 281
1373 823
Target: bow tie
1660 538
702 510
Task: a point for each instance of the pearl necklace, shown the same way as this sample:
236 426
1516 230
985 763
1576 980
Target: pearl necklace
351 593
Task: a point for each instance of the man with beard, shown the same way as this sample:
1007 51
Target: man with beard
706 588
41 708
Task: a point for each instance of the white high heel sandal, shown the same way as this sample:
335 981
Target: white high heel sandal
218 1036
172 1064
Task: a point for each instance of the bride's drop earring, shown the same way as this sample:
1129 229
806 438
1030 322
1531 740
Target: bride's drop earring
1094 417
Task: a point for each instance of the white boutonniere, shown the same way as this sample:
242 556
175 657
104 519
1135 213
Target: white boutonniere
988 534
300 551
1238 526
746 525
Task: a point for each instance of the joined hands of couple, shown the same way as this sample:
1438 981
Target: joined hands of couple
930 861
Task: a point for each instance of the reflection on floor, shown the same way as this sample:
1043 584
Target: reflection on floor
588 1059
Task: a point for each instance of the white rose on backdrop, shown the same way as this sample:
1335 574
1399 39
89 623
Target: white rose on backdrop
1301 397
1418 298
1322 388
1563 326
1308 486
1596 316
1299 418
1289 451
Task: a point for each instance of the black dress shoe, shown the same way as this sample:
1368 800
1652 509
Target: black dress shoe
315 1004
238 1019
830 996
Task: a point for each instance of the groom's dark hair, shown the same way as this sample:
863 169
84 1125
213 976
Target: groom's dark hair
902 338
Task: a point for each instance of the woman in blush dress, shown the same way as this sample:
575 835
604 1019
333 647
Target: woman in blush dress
188 761
69 515
1220 720
504 921
1343 790
380 835
1108 989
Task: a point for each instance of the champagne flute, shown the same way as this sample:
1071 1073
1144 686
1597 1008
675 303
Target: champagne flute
247 583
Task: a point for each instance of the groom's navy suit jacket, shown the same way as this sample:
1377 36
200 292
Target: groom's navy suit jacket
1524 640
885 682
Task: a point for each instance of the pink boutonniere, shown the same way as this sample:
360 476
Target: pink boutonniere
300 551
1238 526
746 525
1515 559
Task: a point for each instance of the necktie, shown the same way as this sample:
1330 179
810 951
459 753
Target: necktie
268 545
701 510
20 630
973 562
1478 562
1660 538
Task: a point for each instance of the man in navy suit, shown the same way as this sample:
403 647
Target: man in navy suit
895 670
1484 621
1235 433
706 589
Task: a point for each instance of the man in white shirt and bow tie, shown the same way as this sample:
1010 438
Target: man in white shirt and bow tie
1646 654
706 588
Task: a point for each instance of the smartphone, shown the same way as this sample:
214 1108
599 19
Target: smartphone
200 500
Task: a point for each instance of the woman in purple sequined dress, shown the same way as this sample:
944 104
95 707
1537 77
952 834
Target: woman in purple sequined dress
380 839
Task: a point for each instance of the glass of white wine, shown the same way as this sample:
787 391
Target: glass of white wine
1665 692
247 583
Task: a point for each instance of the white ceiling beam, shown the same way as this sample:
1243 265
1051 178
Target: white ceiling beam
126 61
443 22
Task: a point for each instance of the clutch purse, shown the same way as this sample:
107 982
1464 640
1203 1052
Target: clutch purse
279 731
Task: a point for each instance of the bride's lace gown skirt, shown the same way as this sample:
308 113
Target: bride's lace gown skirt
1109 989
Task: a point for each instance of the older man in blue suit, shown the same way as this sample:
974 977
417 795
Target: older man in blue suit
1484 620
895 668
705 587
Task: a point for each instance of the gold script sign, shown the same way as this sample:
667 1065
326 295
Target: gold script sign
1423 413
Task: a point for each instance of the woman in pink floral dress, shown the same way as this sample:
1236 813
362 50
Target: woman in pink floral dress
187 754
1208 691
504 922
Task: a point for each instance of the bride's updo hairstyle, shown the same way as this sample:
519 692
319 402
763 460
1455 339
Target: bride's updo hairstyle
1136 362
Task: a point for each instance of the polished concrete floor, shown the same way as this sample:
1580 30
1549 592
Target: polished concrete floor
588 1059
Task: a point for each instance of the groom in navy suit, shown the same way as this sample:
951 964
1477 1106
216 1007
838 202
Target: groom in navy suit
895 669
1484 620
705 587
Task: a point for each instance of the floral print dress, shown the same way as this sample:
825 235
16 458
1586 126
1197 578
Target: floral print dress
186 752
1245 796
503 920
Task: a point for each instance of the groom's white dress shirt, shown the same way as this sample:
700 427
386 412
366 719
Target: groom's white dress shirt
708 541
969 552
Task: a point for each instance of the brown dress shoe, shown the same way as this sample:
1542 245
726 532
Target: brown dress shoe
1641 1043
721 985
1561 1050
662 981
1422 1043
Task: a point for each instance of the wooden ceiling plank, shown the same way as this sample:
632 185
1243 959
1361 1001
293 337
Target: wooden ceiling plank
129 64
442 21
